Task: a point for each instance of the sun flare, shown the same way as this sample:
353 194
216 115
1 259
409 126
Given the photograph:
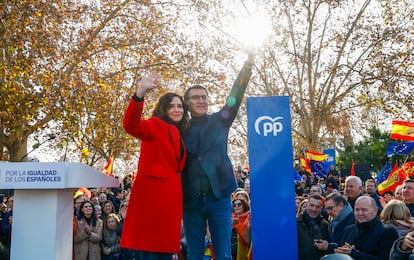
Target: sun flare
250 31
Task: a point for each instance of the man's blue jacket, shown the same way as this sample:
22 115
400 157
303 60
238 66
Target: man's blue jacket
211 152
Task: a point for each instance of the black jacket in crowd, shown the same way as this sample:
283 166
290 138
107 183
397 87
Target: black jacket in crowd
371 239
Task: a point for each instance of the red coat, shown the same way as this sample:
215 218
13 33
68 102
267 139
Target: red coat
153 219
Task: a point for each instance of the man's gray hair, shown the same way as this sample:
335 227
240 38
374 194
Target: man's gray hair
358 180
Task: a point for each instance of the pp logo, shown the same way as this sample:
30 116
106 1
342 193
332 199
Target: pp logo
266 125
330 158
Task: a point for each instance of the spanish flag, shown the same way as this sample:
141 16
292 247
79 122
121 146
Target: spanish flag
315 156
408 169
304 163
108 168
395 178
402 130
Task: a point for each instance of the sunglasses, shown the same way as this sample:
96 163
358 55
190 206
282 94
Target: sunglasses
239 204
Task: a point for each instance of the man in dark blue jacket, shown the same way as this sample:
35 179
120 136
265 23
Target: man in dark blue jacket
342 216
368 238
208 177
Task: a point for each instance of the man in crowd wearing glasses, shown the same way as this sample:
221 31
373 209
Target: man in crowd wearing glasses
342 216
208 178
315 190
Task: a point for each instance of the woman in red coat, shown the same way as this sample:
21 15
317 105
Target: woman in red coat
152 224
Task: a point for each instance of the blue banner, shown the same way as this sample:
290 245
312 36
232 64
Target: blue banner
272 190
331 157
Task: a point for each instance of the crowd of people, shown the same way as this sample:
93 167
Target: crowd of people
350 217
347 218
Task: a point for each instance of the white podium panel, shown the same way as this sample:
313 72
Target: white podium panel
43 205
41 221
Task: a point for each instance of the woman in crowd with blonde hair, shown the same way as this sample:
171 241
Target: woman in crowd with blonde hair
298 200
301 207
110 239
397 215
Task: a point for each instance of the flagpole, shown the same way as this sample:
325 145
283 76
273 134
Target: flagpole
406 158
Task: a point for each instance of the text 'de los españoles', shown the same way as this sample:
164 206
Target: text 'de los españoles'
32 176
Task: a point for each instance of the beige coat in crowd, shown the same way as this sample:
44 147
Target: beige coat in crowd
84 244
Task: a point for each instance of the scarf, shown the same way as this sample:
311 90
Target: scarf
341 216
110 238
313 224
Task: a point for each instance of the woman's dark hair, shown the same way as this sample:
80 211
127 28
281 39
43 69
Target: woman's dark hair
162 107
82 215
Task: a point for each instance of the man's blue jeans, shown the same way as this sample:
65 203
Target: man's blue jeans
217 214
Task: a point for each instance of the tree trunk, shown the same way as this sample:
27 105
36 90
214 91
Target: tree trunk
18 151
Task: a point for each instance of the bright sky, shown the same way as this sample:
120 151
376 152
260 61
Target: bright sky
249 24
251 30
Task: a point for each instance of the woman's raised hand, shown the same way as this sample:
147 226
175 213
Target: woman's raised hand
146 83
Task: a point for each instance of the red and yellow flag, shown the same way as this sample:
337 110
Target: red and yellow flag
402 130
315 156
304 163
395 178
108 168
408 169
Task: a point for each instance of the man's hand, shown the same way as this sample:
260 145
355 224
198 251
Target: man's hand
250 58
321 244
345 249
